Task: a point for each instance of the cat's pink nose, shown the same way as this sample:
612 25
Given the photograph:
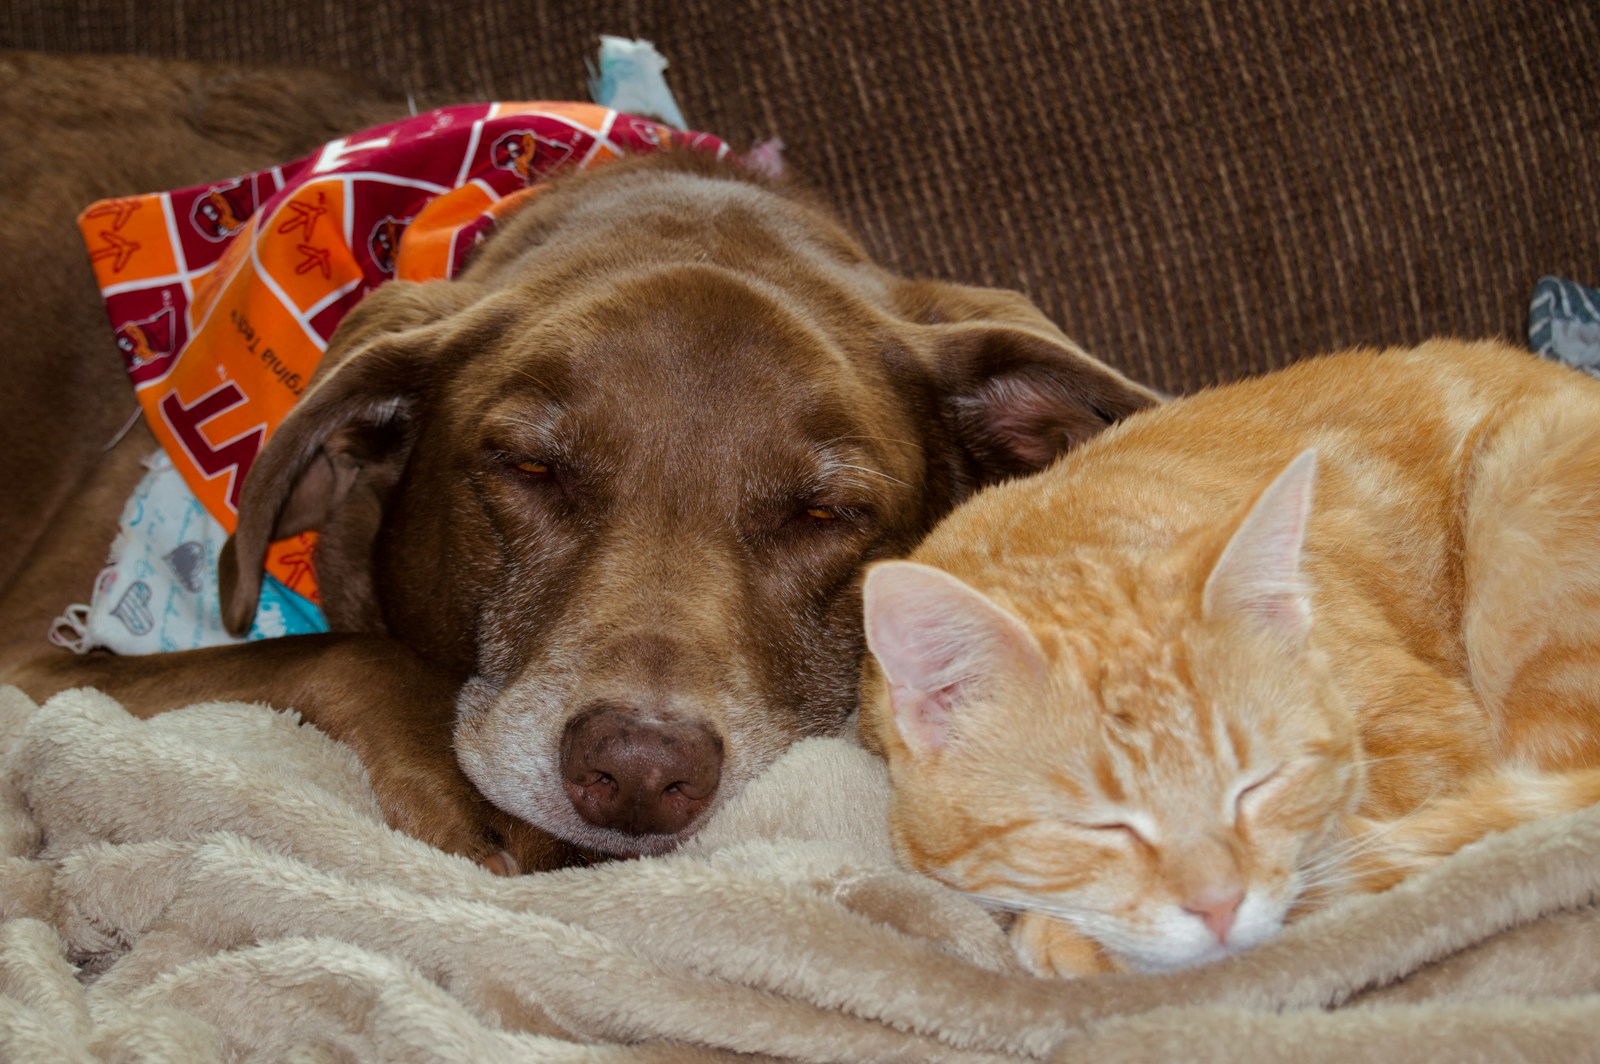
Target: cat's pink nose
1216 911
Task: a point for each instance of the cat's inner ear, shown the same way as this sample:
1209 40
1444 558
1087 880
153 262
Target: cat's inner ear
1258 575
943 647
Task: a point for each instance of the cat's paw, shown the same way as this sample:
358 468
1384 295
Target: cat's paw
1047 946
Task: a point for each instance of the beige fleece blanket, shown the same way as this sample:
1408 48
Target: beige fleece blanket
217 884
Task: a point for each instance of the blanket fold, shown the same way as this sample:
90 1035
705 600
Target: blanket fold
218 883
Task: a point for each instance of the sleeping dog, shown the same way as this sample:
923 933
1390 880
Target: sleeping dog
592 514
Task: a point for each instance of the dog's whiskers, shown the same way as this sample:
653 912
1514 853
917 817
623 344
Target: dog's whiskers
874 472
880 439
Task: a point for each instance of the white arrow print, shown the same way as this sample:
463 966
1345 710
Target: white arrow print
337 151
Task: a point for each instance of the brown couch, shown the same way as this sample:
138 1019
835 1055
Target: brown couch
1193 189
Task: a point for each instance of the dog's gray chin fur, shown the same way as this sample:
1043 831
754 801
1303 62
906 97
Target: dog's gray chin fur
520 773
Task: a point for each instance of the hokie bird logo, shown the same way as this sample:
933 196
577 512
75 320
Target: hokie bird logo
142 342
222 211
519 151
384 241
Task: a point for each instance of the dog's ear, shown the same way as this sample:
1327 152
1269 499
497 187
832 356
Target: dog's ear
349 435
1017 393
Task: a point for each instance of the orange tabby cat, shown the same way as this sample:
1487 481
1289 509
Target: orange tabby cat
1250 651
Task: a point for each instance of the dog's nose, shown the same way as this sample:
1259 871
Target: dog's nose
644 777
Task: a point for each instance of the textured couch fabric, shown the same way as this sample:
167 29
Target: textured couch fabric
1193 189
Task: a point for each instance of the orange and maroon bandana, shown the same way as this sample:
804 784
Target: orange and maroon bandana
223 297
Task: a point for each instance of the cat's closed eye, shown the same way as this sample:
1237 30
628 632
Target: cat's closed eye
1118 832
1253 791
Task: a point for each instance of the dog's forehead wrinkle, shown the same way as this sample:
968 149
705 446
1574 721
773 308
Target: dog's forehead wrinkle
666 569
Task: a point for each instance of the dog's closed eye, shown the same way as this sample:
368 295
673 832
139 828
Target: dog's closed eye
825 517
520 468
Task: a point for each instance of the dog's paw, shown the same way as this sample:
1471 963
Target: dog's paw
434 802
524 848
501 863
1049 947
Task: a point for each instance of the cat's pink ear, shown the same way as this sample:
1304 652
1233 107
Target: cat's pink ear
1258 574
942 646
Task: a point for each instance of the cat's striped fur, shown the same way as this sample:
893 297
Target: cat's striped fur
1250 651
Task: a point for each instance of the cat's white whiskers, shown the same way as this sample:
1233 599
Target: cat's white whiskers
1021 905
1328 878
993 902
1332 868
1341 853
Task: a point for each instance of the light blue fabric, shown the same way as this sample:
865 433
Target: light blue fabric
159 592
282 612
1564 323
630 79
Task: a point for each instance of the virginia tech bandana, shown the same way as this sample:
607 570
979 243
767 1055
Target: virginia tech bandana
223 297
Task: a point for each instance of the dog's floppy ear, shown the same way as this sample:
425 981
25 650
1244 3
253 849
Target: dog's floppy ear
348 435
1017 393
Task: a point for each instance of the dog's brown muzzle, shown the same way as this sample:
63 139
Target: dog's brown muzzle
640 776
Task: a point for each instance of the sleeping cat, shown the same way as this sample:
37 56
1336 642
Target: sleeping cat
1249 652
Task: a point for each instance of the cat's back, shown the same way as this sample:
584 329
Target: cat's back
1397 434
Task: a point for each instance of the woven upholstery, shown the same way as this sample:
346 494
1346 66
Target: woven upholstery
1194 189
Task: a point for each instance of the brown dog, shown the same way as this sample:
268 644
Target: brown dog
610 492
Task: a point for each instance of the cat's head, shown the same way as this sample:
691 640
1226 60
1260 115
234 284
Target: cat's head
1149 748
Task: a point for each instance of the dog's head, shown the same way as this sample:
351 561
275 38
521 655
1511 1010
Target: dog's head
623 474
